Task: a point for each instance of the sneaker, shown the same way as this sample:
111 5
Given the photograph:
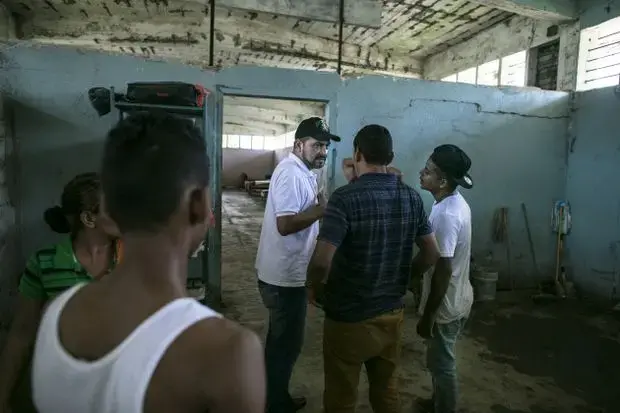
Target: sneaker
424 406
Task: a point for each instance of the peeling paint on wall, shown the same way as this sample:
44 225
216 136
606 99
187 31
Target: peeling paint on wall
179 30
511 36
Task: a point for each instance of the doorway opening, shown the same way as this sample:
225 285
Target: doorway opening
257 134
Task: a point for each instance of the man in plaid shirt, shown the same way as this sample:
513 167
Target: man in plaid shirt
363 258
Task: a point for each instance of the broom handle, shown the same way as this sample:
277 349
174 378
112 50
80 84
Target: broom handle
557 255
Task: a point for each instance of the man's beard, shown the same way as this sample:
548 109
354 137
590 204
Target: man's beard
318 163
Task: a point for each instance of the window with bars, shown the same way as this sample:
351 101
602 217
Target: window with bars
507 71
599 56
256 142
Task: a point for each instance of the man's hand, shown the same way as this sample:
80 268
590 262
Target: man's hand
425 327
312 298
395 171
321 199
348 169
315 293
415 289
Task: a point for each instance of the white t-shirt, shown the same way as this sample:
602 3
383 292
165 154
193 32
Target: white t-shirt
451 223
283 260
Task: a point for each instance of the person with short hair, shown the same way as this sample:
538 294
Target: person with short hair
287 238
360 271
447 294
134 342
86 251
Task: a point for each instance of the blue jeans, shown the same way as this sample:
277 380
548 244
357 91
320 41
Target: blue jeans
285 336
441 361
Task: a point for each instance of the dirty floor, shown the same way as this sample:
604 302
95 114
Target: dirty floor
515 356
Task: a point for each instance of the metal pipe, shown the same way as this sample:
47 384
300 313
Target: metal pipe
211 32
193 111
214 121
340 35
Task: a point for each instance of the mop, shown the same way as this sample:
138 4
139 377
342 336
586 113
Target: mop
560 224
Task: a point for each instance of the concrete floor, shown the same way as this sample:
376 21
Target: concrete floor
515 356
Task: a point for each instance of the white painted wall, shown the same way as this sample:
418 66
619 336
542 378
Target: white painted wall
254 163
280 154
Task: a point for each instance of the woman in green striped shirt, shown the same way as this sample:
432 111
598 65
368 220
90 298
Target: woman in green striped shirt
87 252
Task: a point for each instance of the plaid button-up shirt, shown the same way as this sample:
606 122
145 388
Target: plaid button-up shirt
374 222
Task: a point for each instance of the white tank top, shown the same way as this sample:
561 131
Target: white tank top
117 382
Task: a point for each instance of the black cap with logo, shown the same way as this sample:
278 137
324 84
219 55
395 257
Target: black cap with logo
315 128
453 162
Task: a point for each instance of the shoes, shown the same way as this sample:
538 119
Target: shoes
424 406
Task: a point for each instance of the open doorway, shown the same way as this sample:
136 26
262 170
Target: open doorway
257 134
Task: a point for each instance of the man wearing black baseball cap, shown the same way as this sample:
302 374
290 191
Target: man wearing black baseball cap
289 231
447 294
362 262
312 138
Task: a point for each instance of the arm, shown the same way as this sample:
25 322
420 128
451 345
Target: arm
290 224
22 334
426 257
348 169
426 242
333 231
395 171
446 230
289 216
240 383
321 260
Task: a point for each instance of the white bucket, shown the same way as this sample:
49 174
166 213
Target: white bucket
485 284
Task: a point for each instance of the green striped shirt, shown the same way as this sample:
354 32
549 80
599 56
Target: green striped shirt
50 271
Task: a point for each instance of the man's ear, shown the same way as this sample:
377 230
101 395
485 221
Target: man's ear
88 219
298 145
357 156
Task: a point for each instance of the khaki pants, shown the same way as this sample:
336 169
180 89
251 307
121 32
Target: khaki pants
374 343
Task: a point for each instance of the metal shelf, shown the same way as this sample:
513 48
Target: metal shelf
179 110
211 267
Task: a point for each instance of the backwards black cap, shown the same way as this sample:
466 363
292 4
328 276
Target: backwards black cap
454 163
315 128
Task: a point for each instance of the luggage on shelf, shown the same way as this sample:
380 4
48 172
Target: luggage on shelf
166 93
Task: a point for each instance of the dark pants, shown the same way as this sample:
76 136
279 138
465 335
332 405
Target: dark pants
21 400
375 344
287 320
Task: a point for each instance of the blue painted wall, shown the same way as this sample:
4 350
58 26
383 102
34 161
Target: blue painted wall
593 12
594 192
515 137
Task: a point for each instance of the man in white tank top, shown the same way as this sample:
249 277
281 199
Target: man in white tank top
134 342
447 295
